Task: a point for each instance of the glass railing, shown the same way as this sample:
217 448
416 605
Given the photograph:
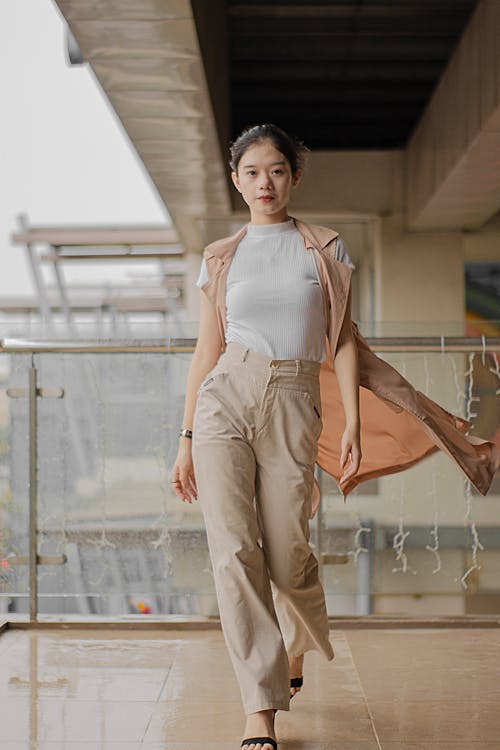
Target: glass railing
90 527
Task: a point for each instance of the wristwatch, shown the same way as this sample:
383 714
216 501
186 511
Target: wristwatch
185 432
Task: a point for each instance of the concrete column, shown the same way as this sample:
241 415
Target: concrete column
419 280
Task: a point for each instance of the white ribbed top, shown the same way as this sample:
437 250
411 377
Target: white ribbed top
274 302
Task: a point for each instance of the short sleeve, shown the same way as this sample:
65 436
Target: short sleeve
203 277
342 254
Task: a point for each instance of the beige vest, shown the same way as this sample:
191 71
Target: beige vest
399 425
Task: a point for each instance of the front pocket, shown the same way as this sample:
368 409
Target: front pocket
210 379
313 401
316 411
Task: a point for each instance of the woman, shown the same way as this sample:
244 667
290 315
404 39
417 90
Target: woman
275 297
255 413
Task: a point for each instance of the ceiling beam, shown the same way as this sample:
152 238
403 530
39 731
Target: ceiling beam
453 155
147 56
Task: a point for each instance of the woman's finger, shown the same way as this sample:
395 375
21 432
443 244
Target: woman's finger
343 456
192 487
193 481
355 460
345 477
186 486
177 487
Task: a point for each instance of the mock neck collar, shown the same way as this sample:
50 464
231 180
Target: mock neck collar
269 230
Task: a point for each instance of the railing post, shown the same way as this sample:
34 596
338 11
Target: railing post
365 568
33 492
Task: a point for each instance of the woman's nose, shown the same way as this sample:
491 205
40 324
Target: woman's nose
264 183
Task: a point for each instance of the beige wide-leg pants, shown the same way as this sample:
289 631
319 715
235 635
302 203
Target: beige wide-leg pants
255 431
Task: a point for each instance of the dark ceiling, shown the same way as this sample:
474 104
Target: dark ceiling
340 74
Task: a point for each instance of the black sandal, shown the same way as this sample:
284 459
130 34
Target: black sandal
262 741
296 682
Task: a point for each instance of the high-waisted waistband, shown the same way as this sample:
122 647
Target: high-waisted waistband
238 353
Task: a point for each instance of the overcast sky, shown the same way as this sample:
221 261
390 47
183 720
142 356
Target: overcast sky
64 157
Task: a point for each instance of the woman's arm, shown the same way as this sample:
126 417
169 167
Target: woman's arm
347 371
205 356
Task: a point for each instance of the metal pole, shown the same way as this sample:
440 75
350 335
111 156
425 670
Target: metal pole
187 345
65 306
34 263
365 570
33 492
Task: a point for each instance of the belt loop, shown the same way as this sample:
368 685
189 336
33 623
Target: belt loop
297 366
244 355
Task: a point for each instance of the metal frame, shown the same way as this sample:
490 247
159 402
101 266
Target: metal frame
388 344
94 245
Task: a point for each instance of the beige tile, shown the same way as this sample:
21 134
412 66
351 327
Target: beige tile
421 649
64 745
201 672
414 647
419 665
87 668
283 745
181 721
72 721
441 745
186 721
335 723
431 722
412 685
211 682
83 684
7 639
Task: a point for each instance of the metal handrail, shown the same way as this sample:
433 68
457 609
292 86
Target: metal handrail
176 345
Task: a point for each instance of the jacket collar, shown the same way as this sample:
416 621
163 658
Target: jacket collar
313 235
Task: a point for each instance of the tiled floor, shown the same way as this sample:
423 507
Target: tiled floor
175 690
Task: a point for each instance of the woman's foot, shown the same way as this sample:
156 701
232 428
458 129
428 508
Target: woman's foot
260 724
296 665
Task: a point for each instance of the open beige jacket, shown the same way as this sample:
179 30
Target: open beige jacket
399 424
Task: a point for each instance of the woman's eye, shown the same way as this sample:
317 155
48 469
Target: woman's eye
252 171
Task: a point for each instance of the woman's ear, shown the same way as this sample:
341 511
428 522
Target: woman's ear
296 178
235 180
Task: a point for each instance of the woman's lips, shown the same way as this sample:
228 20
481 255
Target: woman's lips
266 198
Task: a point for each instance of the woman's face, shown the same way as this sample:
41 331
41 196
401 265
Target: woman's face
264 179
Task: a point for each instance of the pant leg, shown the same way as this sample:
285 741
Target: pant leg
285 452
224 466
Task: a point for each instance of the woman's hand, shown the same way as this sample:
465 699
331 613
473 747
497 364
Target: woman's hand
350 448
183 479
